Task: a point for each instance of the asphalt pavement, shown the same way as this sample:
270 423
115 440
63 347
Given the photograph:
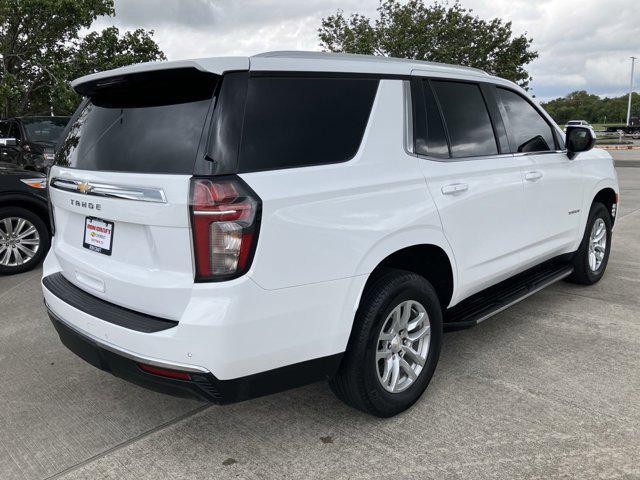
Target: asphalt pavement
549 388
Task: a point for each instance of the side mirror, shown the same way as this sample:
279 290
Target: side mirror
579 139
8 142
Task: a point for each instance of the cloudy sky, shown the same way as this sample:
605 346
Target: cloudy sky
582 45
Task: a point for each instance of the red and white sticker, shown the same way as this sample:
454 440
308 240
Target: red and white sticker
98 235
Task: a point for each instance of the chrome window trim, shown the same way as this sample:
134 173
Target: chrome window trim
475 158
127 192
408 118
541 152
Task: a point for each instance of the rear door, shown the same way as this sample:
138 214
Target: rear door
552 182
475 183
120 190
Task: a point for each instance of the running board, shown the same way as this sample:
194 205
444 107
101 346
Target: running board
495 299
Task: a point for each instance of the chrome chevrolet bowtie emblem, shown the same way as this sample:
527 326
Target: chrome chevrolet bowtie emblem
84 187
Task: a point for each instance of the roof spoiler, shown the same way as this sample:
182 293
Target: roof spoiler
87 84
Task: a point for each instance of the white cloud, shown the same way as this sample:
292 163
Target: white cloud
582 45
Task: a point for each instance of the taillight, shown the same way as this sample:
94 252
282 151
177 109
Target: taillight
225 216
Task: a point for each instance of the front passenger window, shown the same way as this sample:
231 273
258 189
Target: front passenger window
529 131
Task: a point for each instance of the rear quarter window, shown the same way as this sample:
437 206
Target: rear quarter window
301 121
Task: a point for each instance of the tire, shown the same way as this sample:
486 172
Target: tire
10 218
358 381
583 268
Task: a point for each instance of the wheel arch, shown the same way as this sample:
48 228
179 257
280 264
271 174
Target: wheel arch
608 197
423 251
32 204
427 260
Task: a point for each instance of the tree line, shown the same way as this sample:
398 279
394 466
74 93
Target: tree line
581 105
42 49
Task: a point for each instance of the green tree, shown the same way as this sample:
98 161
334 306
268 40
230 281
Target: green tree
40 51
100 51
436 32
580 105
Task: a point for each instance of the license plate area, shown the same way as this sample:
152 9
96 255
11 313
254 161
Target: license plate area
98 235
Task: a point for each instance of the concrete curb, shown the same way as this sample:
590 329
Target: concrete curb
619 147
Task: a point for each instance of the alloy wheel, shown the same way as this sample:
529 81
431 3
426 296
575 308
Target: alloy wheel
19 241
403 346
597 244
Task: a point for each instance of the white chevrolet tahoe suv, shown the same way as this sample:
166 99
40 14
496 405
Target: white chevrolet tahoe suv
233 227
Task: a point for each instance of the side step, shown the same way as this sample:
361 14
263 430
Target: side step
492 300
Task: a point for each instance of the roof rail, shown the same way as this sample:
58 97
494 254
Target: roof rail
301 54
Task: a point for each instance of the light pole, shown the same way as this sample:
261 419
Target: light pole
633 62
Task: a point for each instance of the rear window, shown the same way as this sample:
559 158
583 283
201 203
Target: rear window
301 121
44 129
149 123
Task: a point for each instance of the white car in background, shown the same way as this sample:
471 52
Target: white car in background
232 227
577 123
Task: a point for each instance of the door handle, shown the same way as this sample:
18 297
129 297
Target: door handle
454 188
533 176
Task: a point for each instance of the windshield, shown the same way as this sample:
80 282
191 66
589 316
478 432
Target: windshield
46 129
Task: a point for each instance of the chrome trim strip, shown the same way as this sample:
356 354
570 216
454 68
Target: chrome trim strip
126 192
543 152
126 353
408 118
555 279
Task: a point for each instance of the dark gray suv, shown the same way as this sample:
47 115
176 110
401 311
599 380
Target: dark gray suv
30 142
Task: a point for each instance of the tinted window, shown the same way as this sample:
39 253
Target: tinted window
14 131
467 119
299 121
44 129
160 139
4 129
432 141
528 130
142 124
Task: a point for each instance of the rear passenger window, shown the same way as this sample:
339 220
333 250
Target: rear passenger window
300 121
467 119
430 138
529 131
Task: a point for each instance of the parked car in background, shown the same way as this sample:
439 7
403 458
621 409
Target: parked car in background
633 128
24 219
231 227
577 123
30 142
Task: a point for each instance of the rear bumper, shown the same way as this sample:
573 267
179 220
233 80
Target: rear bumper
202 384
126 366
